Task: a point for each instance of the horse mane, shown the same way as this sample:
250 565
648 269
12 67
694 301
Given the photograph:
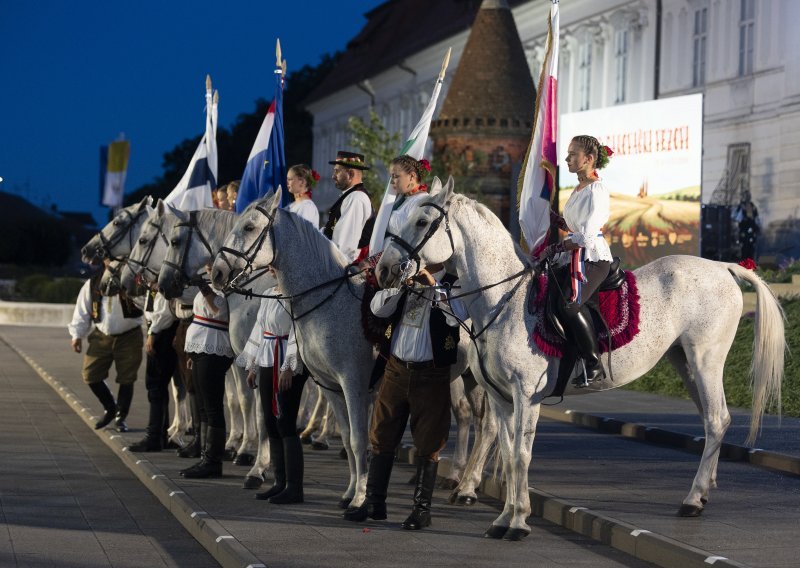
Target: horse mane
222 221
328 256
478 212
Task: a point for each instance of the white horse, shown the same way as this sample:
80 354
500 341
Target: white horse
690 309
145 262
326 308
116 241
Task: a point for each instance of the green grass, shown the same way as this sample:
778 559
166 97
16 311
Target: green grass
664 380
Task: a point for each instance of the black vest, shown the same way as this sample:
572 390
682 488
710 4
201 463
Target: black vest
336 212
129 309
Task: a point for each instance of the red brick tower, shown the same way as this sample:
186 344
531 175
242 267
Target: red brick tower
484 126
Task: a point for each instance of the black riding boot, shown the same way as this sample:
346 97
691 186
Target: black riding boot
201 437
293 454
103 394
278 460
124 398
420 516
581 329
193 448
211 465
153 440
374 507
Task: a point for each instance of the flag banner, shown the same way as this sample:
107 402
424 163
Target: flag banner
415 147
536 187
266 166
116 169
193 191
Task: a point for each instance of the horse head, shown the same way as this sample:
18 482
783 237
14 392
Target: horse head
425 239
116 239
150 248
249 245
109 282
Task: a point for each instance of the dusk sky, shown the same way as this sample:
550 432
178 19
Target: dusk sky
73 75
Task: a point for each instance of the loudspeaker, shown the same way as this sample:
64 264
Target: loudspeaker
717 241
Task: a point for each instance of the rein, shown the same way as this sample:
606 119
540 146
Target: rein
107 244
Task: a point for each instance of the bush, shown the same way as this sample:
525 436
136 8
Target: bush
663 379
42 288
30 287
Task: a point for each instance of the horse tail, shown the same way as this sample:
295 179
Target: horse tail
769 348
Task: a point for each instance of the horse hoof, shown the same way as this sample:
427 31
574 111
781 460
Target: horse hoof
516 534
690 511
704 500
467 500
252 482
448 483
345 503
305 440
496 532
229 455
244 459
319 445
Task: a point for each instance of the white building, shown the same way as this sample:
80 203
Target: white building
742 55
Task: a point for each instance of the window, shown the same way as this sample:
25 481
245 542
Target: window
621 59
746 25
699 56
584 73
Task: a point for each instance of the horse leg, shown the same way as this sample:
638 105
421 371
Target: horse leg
486 427
502 523
462 412
235 415
337 401
320 441
705 363
246 452
316 417
177 428
524 420
255 477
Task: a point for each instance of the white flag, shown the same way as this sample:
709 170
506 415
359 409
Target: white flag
193 192
414 147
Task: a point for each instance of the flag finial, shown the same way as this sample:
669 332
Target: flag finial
208 82
445 63
216 97
278 62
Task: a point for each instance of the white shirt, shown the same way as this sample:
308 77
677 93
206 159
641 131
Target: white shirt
162 315
399 216
586 213
411 341
306 209
208 332
356 209
112 320
273 323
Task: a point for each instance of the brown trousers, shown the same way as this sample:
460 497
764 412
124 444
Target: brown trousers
422 395
124 351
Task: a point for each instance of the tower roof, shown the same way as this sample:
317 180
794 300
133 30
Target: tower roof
492 87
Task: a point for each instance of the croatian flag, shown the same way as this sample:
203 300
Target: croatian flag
536 187
266 166
414 147
193 192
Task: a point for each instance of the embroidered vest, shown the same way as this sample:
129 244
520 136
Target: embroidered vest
336 212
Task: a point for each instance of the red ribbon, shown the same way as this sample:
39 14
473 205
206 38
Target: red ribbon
276 369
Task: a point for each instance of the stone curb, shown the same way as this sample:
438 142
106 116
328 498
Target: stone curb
761 458
223 546
639 543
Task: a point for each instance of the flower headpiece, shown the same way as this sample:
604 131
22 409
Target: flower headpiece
748 263
314 178
425 164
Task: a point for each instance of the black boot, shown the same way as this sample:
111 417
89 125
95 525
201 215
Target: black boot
374 507
581 329
153 440
293 454
124 398
201 439
211 464
420 516
278 460
194 448
103 394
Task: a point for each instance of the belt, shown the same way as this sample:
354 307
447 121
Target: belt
415 365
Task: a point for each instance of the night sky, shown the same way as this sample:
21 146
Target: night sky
75 74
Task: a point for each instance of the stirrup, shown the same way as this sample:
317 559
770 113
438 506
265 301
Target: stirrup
582 381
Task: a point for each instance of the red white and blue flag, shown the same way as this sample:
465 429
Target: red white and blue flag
266 167
537 185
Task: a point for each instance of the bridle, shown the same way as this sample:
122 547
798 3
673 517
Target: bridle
194 229
413 251
148 251
249 254
126 225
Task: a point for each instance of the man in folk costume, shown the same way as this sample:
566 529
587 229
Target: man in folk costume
349 215
116 338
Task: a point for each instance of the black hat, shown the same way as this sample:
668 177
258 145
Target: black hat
350 160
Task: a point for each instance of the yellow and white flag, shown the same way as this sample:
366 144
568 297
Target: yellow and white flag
116 169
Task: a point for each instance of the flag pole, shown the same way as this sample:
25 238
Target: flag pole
445 63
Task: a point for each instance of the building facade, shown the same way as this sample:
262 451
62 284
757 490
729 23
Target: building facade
741 54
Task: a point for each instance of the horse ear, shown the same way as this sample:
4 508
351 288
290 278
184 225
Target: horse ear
142 204
160 207
276 200
446 192
182 215
436 186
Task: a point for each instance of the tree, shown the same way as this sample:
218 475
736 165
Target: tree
379 147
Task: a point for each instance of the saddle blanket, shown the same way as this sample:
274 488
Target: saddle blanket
619 309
